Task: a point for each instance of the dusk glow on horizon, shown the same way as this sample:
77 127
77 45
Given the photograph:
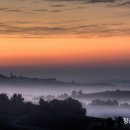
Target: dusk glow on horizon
64 34
56 52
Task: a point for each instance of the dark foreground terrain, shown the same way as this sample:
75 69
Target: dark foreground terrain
68 114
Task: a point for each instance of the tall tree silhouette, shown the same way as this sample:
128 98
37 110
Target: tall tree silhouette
17 98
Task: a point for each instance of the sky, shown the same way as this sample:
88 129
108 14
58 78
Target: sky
68 39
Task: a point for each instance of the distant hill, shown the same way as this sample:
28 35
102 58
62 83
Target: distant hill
23 80
117 81
100 84
117 94
33 81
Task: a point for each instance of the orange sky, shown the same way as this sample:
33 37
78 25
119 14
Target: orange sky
73 51
54 38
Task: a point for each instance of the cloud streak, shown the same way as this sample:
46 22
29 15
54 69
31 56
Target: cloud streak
89 1
9 10
126 3
103 30
48 19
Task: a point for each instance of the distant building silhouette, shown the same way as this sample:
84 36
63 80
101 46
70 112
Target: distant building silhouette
73 82
12 75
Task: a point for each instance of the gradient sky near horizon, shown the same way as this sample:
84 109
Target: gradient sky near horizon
68 39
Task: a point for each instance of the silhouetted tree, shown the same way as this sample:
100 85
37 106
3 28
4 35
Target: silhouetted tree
125 105
43 105
17 98
74 93
119 121
99 102
4 98
67 114
109 124
80 92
